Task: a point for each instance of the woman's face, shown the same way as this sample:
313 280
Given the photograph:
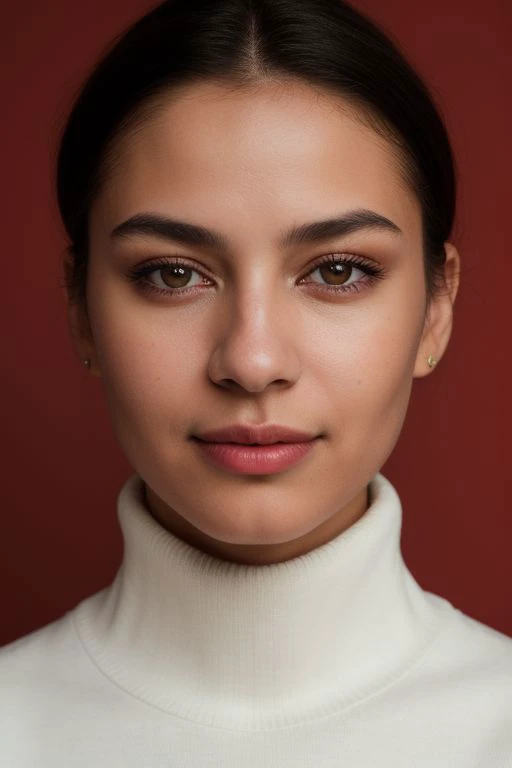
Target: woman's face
255 330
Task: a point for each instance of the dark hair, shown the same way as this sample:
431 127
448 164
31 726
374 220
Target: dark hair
326 43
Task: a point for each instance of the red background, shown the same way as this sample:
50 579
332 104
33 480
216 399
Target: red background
62 467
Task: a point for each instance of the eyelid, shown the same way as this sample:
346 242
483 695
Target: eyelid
343 256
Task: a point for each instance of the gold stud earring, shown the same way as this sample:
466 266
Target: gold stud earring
431 361
87 363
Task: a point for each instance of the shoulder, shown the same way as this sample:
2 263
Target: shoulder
38 655
468 653
470 644
48 683
43 662
463 682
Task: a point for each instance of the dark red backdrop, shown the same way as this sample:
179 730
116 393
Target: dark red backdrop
62 468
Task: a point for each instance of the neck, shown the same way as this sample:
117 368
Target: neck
255 554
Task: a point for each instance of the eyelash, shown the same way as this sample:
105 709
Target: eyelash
139 274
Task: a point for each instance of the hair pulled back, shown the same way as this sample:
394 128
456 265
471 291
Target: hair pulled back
326 43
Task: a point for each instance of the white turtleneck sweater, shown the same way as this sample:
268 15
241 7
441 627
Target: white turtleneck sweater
334 658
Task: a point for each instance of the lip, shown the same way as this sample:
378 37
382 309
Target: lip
265 434
255 450
264 459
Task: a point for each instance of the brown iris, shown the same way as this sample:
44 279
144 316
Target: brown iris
338 271
178 273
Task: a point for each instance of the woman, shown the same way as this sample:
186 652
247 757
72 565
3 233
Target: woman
259 198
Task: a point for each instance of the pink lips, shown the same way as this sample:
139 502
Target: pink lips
276 447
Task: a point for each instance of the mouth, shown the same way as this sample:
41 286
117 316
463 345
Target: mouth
255 458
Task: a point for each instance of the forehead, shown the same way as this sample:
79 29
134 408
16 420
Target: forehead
229 152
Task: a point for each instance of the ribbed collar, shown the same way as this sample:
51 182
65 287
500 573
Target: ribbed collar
258 647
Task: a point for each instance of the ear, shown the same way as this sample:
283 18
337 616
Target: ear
78 322
439 319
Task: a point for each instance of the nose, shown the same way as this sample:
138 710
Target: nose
257 345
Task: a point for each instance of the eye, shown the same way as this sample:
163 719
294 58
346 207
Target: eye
171 276
337 270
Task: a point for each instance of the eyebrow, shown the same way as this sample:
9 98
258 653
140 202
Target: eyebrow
192 234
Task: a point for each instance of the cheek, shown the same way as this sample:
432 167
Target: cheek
362 369
150 358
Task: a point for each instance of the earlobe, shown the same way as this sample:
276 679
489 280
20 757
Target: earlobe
438 324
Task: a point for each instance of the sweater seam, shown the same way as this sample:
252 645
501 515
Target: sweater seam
444 623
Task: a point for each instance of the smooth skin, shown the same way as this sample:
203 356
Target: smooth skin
256 336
